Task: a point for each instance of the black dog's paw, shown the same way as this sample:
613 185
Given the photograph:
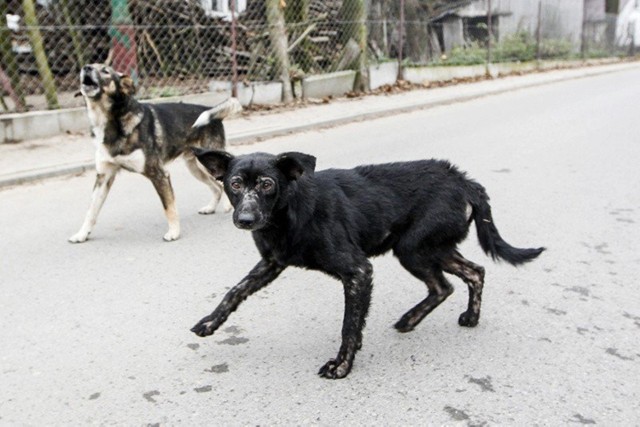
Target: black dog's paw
468 319
334 370
403 325
205 327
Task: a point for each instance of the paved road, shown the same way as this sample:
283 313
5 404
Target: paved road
98 333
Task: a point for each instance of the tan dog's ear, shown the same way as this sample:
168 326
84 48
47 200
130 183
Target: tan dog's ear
127 85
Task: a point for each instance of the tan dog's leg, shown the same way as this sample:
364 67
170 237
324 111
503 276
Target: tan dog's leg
215 186
104 180
162 184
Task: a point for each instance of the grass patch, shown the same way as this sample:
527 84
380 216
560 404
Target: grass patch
517 47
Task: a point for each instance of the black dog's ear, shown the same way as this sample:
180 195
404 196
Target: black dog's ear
216 161
293 164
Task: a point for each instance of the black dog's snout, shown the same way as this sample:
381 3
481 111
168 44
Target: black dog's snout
246 219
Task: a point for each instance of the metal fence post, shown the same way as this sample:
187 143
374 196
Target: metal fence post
48 81
539 32
12 84
401 41
489 32
123 39
583 36
234 51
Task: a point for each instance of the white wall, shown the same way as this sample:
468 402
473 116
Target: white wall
628 26
561 19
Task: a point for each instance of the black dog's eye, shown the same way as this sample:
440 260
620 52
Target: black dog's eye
266 184
236 184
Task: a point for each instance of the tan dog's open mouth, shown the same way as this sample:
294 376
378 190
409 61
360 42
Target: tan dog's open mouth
89 81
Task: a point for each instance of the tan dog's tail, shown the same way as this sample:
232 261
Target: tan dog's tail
224 109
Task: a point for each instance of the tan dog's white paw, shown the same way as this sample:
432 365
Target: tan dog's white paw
79 237
171 236
207 210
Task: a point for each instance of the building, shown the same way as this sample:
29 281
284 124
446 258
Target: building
585 24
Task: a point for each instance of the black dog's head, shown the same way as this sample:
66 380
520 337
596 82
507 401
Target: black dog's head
100 83
256 183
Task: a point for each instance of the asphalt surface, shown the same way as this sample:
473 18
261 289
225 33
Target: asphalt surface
98 333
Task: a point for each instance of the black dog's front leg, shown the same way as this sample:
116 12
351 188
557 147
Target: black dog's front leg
261 275
357 297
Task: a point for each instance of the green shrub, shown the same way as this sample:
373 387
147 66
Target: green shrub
472 54
555 49
163 92
519 46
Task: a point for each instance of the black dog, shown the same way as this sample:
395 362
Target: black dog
334 220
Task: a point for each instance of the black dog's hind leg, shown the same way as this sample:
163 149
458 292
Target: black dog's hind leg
260 276
430 272
357 297
473 275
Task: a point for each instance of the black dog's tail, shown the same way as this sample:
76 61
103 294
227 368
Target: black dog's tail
490 240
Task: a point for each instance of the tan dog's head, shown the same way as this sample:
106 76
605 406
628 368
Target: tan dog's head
99 81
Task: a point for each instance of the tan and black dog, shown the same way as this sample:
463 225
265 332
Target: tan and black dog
142 138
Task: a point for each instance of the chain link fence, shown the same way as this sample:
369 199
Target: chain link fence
178 47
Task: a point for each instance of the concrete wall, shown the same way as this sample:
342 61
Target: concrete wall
594 10
561 19
424 75
628 24
452 32
38 124
330 84
252 93
513 15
